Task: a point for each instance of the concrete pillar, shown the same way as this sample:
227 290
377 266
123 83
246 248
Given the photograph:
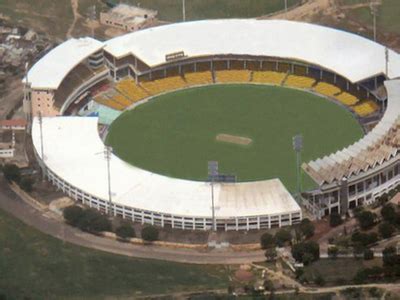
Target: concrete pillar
247 224
237 224
245 65
344 196
258 222
228 64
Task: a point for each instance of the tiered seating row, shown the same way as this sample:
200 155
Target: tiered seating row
159 86
232 76
365 108
268 77
300 81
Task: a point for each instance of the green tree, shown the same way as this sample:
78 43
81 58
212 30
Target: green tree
267 240
388 213
319 280
93 221
366 219
333 252
150 233
307 228
368 254
282 236
73 214
12 173
335 219
26 183
304 250
270 254
364 239
386 230
389 257
125 230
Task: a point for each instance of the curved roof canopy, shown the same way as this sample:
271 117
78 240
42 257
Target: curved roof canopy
347 54
74 152
50 70
352 56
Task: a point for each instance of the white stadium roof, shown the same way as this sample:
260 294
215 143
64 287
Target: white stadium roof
73 150
349 55
49 71
339 51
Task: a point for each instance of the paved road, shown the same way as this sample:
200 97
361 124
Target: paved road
13 204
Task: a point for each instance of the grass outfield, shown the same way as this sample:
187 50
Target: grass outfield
36 266
175 134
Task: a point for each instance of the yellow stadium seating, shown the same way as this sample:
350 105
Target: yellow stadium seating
346 98
365 108
299 81
268 77
326 89
130 89
233 76
159 86
109 102
198 78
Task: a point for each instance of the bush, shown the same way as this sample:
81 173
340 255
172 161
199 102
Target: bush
72 214
388 213
270 254
319 280
306 252
267 241
282 236
386 230
335 219
12 173
125 230
93 221
366 219
333 251
368 254
149 233
307 228
364 239
26 184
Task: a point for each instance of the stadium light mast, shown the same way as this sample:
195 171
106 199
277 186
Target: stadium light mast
184 10
298 147
212 173
107 156
374 12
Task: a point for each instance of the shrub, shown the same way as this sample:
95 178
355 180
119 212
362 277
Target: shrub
149 233
307 228
366 219
388 213
270 254
72 214
93 221
12 173
368 254
282 236
26 184
267 241
364 239
125 230
305 252
386 230
333 251
335 219
319 280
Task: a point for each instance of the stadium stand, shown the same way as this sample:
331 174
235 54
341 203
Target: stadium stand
326 89
268 77
131 90
299 82
347 99
198 78
159 86
233 76
365 108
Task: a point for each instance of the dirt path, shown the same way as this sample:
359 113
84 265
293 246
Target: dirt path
74 5
306 11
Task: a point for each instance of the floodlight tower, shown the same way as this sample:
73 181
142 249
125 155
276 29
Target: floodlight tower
107 156
212 173
298 147
41 143
184 10
374 12
285 5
